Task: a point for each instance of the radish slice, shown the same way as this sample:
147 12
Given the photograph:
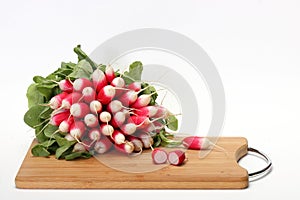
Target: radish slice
159 156
176 157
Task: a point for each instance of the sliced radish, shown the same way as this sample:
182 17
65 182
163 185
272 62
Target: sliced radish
176 157
159 156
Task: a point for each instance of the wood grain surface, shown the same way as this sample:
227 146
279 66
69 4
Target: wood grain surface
218 170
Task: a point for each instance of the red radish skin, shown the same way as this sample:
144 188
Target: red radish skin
128 97
109 73
94 134
138 145
59 117
126 147
55 102
77 130
197 143
105 117
159 156
81 83
74 97
66 85
176 157
79 110
118 137
103 145
148 111
95 107
91 120
141 101
106 129
118 119
162 112
99 79
88 94
135 86
65 125
140 121
128 128
106 94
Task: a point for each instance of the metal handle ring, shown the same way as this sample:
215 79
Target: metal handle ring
266 158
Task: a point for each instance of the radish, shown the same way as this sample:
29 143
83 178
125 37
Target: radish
78 147
126 147
146 139
69 137
106 129
103 145
73 97
135 86
81 83
199 143
114 106
142 101
65 125
106 94
118 83
118 119
128 97
128 128
94 134
95 106
140 121
88 94
159 156
148 111
138 145
162 112
91 120
77 130
105 116
57 118
55 102
109 73
176 157
79 110
66 85
118 137
99 80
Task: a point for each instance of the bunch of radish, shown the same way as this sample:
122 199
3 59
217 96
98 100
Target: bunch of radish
102 112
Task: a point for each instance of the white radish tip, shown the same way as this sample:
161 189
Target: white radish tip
87 91
109 91
77 84
107 130
75 109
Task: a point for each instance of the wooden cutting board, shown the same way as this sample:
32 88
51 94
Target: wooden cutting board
218 170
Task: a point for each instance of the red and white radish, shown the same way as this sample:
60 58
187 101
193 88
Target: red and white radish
55 102
73 97
106 94
57 118
77 129
94 134
176 157
162 112
114 106
128 97
65 125
103 145
79 110
140 121
99 79
78 147
126 147
88 94
106 129
128 128
105 117
118 137
91 120
135 86
81 83
142 101
69 137
95 106
199 143
159 156
148 111
109 73
119 84
118 119
66 85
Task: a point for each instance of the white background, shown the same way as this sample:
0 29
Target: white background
255 46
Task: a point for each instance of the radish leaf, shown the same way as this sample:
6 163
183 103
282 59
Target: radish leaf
39 150
81 154
134 73
33 96
31 117
172 123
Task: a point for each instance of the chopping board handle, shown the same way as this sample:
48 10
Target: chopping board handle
266 169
